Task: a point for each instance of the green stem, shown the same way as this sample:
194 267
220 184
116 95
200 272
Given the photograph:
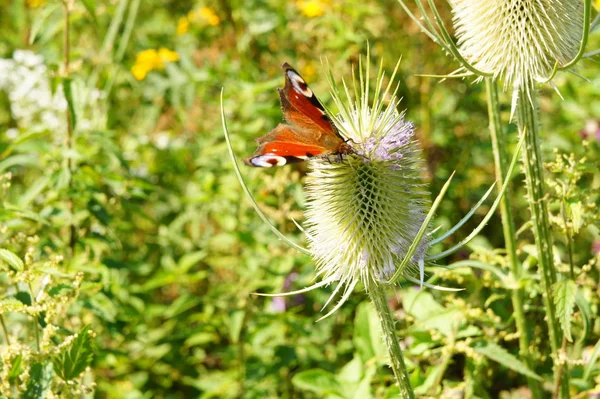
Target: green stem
561 372
35 319
378 297
5 330
508 227
69 137
532 160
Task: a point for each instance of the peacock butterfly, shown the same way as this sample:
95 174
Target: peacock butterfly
309 132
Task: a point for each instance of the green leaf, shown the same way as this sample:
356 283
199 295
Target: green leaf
565 292
74 359
352 371
576 214
189 260
420 304
90 6
429 314
41 21
23 297
11 260
68 92
591 365
59 288
356 379
498 354
367 333
235 324
586 314
17 160
33 191
40 381
318 381
363 390
15 369
434 375
99 211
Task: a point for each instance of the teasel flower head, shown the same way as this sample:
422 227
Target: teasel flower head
518 40
368 212
364 211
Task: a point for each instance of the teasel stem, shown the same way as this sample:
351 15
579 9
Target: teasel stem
532 160
69 117
508 227
379 300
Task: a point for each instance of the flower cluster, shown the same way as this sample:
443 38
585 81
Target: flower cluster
312 8
36 107
34 310
33 104
150 60
201 16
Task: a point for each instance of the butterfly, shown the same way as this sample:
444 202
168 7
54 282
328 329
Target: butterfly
309 132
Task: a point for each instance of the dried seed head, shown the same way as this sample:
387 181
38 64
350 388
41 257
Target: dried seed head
518 41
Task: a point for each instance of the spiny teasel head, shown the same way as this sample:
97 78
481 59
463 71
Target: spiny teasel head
364 212
519 41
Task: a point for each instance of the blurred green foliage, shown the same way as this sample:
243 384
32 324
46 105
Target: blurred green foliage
141 198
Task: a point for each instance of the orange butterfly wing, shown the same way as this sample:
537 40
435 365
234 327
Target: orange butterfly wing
310 131
283 145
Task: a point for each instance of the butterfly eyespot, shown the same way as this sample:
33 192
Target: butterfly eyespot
299 84
268 161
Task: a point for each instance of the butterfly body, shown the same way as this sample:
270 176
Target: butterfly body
308 133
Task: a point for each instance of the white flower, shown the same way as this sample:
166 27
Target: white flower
27 58
33 103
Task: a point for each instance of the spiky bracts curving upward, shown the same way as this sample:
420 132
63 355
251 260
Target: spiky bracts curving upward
363 213
518 41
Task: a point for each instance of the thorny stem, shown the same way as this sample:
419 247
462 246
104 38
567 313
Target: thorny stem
378 297
561 370
508 227
5 330
69 138
532 160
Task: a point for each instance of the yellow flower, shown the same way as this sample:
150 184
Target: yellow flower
309 71
34 3
150 59
205 15
167 55
183 25
139 71
147 58
311 8
597 2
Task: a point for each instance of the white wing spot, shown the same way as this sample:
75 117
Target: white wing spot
268 161
298 82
